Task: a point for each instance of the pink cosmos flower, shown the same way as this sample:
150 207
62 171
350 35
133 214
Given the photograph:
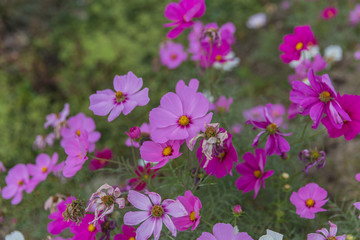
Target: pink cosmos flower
326 234
254 114
357 205
303 68
44 166
160 152
104 202
295 43
129 233
134 133
76 149
144 174
222 105
2 167
357 177
224 231
350 129
172 54
42 140
312 158
181 115
309 200
293 110
57 119
97 163
145 135
318 98
237 128
329 13
153 215
181 15
214 53
357 55
86 230
253 172
223 158
354 15
125 99
275 143
58 224
78 124
192 205
17 180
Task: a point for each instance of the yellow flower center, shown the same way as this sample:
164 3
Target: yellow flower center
44 169
80 155
218 58
78 132
132 238
146 177
325 96
91 228
331 238
299 46
120 97
314 154
173 56
310 203
192 216
257 173
184 120
222 155
271 128
157 211
167 151
20 183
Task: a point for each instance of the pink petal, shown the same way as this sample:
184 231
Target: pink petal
139 200
134 218
146 229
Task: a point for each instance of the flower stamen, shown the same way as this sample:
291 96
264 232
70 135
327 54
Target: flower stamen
120 97
325 96
157 211
299 46
184 120
167 151
310 203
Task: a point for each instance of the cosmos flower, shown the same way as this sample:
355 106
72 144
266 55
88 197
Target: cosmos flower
312 158
256 21
42 140
333 53
144 136
222 104
271 235
324 234
59 224
100 159
172 54
329 13
354 15
309 200
85 230
129 233
222 231
144 175
44 165
124 100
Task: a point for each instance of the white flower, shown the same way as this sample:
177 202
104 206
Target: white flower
256 21
271 235
16 235
231 62
333 53
306 54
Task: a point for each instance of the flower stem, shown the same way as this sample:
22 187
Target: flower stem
132 145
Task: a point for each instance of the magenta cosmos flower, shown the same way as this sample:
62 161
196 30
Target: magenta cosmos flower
86 230
295 43
350 129
354 15
253 172
181 115
100 159
76 149
125 99
192 206
222 231
144 175
312 158
44 165
301 70
172 54
223 158
181 15
153 214
17 181
58 224
222 104
309 200
160 153
144 135
317 99
329 13
275 144
214 53
324 234
129 233
78 124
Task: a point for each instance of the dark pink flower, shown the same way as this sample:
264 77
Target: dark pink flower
295 43
224 231
97 163
172 54
129 233
134 133
78 124
324 234
44 166
181 15
253 172
192 205
275 144
17 181
237 210
181 115
309 200
124 100
301 70
222 104
317 99
312 158
144 174
350 129
58 224
329 13
214 53
85 230
145 135
160 153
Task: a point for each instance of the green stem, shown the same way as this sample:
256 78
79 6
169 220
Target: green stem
132 146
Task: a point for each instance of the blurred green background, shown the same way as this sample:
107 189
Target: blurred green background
58 51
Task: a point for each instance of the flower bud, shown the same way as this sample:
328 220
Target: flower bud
134 133
237 210
285 176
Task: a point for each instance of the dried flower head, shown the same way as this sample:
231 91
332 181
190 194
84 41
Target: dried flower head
74 212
